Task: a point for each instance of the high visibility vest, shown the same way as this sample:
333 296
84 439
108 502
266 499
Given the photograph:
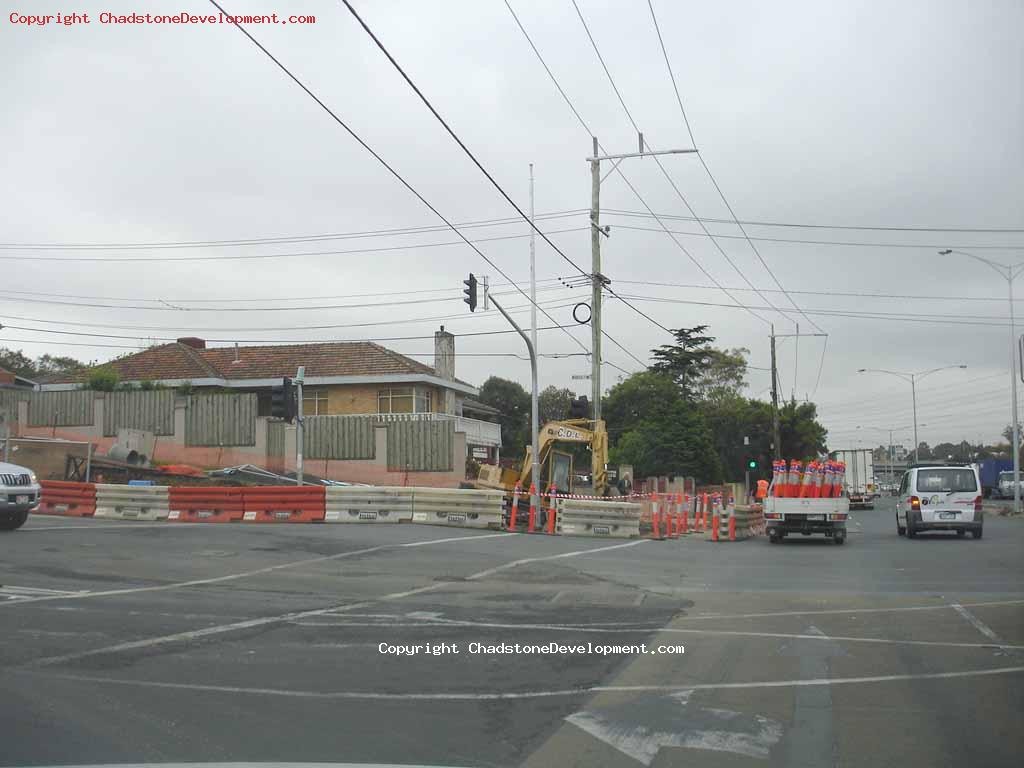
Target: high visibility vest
762 488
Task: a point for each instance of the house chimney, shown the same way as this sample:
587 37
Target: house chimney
444 354
192 341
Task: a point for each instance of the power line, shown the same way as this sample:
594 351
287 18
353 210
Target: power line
261 256
287 239
382 161
851 243
657 159
618 170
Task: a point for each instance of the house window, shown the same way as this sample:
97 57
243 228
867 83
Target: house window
403 400
314 402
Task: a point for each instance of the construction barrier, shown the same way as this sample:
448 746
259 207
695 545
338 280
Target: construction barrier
132 502
283 504
465 508
738 522
605 519
369 504
198 504
60 497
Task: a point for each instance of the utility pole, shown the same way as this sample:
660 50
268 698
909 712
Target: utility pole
598 280
597 284
534 400
776 440
796 358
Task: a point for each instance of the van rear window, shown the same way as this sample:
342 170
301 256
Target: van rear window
946 480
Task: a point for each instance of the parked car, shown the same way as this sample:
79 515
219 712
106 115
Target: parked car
19 495
1004 488
940 498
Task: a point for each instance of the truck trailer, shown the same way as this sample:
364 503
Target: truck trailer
860 476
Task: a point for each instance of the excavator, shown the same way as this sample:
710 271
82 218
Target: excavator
555 466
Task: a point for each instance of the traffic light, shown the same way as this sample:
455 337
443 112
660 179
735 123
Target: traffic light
282 401
470 292
751 463
579 408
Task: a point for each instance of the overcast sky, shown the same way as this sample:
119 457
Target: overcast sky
905 115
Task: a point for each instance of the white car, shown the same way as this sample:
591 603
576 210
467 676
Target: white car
19 495
940 498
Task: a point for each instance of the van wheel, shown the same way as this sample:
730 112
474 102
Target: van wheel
911 530
900 530
976 533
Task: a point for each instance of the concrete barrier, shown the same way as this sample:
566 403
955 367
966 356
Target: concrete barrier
68 499
132 502
465 508
371 504
747 522
604 519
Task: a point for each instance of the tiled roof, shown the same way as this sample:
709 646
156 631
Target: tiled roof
182 362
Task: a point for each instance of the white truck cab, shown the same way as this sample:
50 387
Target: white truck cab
19 495
940 498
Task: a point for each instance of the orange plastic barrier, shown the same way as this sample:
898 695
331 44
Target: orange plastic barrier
205 505
284 504
61 497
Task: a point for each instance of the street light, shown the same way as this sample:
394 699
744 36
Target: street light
912 378
1009 273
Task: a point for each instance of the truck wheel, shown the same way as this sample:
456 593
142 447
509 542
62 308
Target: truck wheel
14 521
960 532
976 533
839 537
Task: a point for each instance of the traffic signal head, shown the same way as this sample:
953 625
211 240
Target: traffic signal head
751 463
282 401
470 292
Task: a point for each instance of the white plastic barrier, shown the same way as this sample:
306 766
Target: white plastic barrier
132 502
611 519
465 508
371 504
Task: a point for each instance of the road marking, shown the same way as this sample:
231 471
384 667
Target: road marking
978 624
527 560
14 593
282 618
677 630
244 574
513 695
127 525
826 611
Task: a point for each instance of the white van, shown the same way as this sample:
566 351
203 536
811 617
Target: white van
939 498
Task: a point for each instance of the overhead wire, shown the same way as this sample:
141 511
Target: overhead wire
382 161
657 160
617 169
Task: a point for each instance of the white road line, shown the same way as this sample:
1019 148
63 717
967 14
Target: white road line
127 525
565 692
289 617
244 574
527 560
674 630
826 611
978 624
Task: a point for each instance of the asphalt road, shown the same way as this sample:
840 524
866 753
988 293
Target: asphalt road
154 643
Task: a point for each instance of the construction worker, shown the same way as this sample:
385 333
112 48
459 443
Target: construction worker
762 490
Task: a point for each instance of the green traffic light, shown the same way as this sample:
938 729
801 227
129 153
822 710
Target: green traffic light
752 464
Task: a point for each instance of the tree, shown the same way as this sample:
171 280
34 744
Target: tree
553 404
724 375
102 379
46 365
50 365
923 451
17 363
648 395
801 434
685 360
513 401
678 445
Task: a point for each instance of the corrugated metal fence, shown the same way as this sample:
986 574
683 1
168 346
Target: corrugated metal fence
149 411
419 445
9 399
215 420
72 408
339 437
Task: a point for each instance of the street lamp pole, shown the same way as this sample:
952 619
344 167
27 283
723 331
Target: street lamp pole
1009 273
912 378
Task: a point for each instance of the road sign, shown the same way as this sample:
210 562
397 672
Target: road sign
579 376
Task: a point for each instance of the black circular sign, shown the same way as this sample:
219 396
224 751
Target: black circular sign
576 316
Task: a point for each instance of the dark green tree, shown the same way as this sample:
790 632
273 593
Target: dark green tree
513 401
553 404
686 360
724 375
